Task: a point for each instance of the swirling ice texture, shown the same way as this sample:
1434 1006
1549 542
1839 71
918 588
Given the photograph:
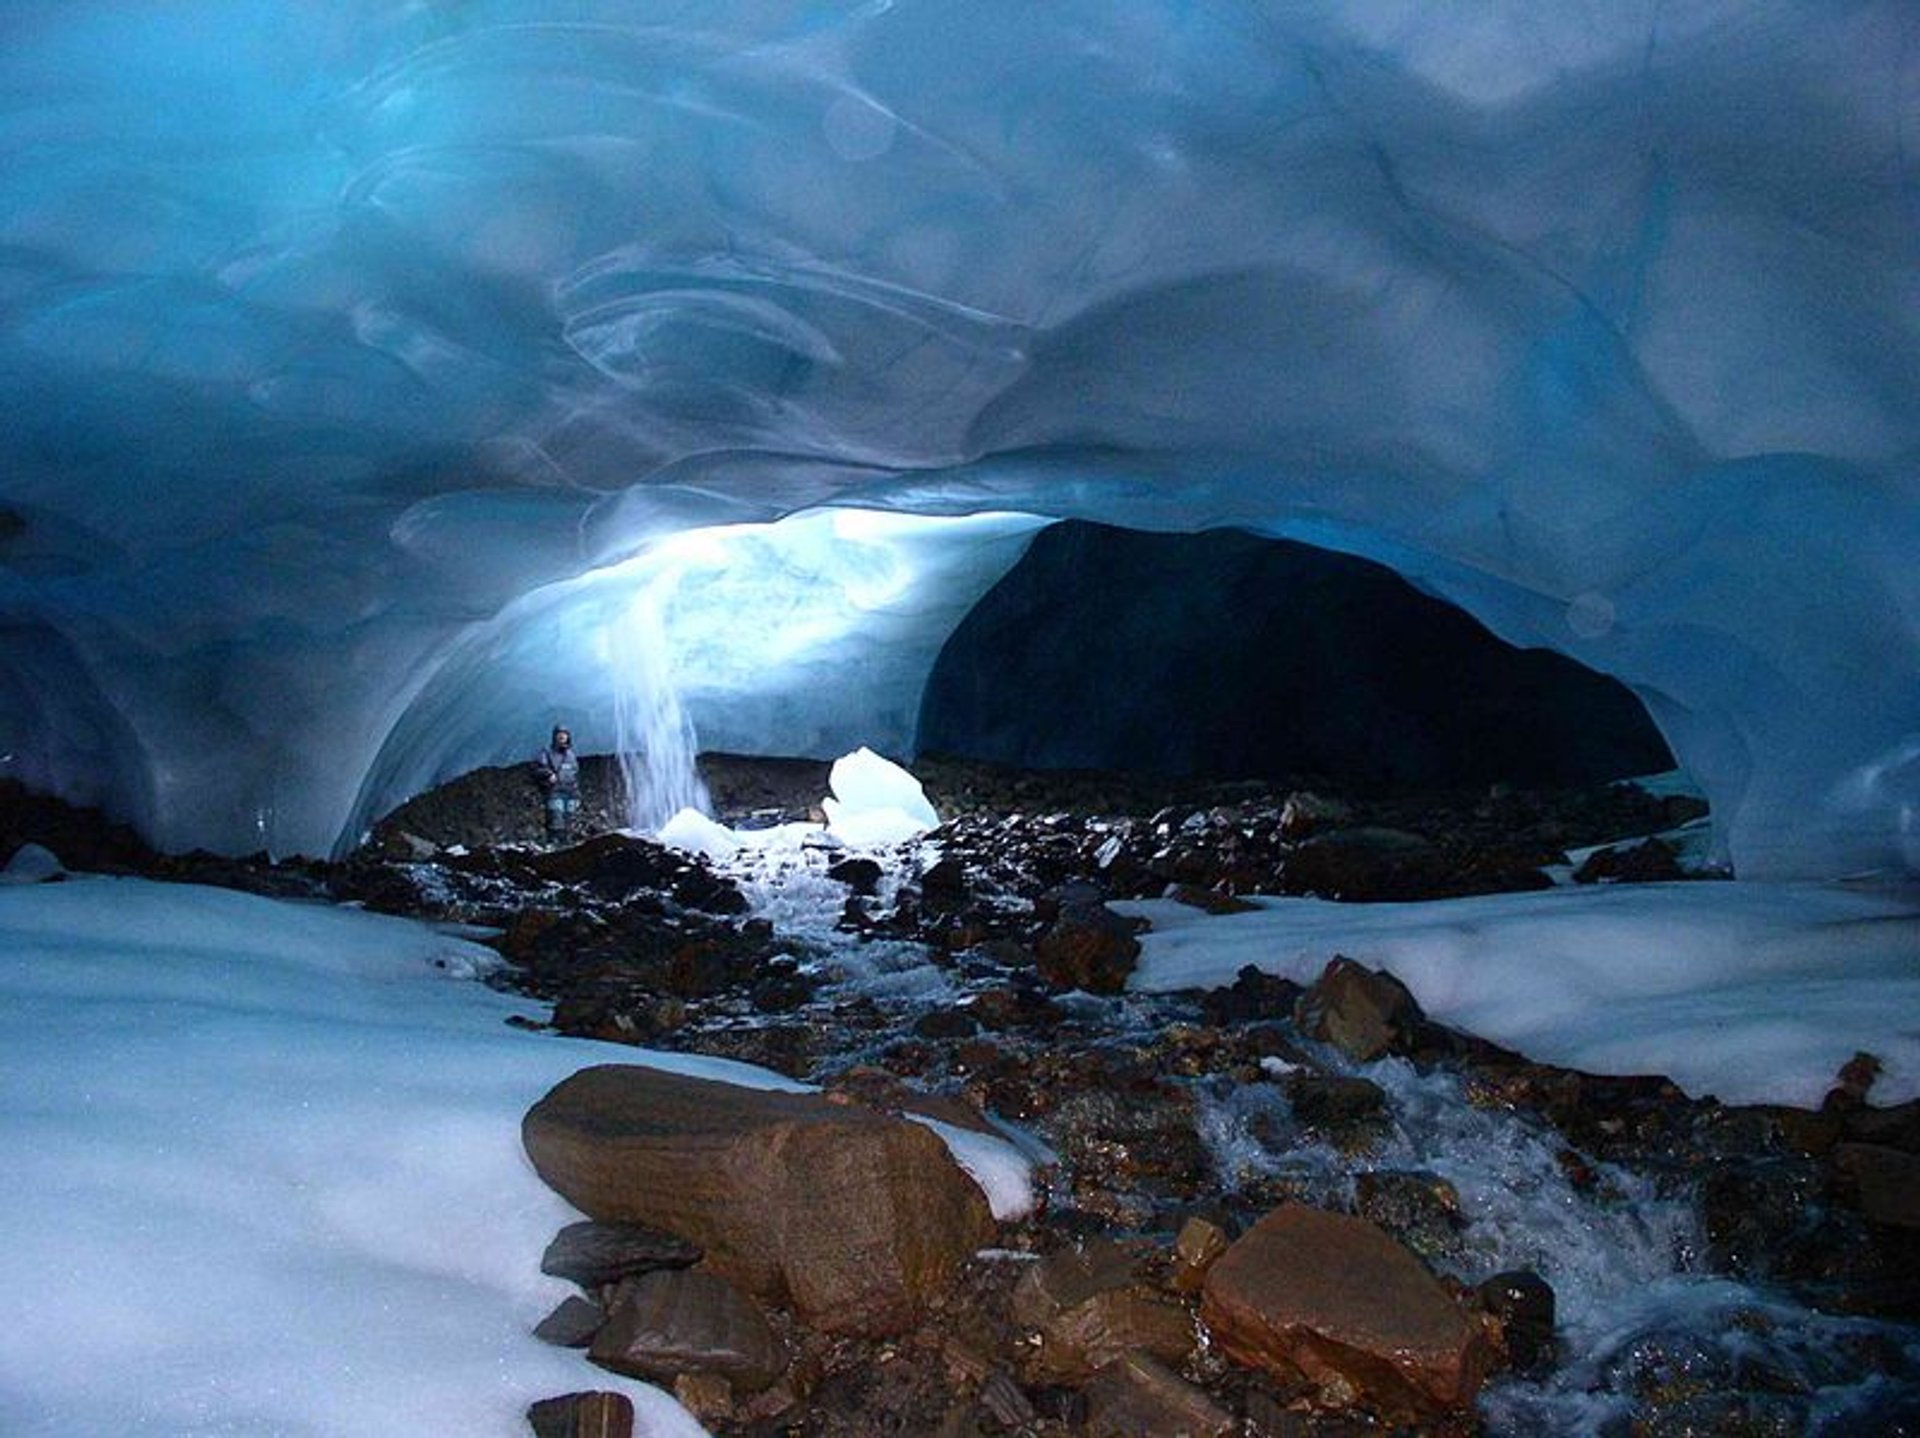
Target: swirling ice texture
332 333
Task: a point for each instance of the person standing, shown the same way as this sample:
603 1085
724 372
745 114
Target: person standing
557 770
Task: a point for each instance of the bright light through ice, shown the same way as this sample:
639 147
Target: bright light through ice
711 618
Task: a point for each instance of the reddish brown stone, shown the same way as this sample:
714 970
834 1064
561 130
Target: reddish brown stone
854 1220
661 1325
1361 1011
1334 1300
1138 1395
583 1415
1089 1310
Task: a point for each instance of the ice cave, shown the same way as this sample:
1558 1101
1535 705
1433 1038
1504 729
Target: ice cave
1481 394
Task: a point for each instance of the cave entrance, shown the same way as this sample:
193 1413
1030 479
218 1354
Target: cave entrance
1227 655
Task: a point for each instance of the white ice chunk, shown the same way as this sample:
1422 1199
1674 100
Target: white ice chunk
875 802
697 834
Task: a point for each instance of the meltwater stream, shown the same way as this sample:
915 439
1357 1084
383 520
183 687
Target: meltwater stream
1648 1341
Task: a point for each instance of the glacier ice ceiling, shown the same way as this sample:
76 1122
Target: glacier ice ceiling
354 355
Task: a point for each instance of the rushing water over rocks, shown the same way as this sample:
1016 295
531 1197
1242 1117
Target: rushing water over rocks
1707 1270
914 971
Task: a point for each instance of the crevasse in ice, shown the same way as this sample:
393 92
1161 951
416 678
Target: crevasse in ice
352 354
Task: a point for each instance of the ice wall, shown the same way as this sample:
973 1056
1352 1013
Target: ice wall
330 336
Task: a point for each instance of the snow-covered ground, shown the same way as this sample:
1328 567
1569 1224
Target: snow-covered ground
1751 992
260 1173
261 1168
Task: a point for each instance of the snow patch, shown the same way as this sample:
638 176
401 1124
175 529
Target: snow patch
1754 993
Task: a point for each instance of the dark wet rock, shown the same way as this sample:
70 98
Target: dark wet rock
583 1415
1886 1180
1365 1013
676 1321
782 987
1196 1248
592 1254
1333 1300
1252 997
1115 1136
1087 1307
1014 1006
1137 1394
1344 1106
1420 1209
1521 1304
944 886
1651 861
1851 1085
1088 947
1210 901
614 865
1757 1211
613 1012
860 874
1305 813
1365 864
952 1023
855 1220
572 1324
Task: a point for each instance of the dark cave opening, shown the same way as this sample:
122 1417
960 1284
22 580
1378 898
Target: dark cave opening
1227 655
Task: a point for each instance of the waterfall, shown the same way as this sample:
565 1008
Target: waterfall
654 738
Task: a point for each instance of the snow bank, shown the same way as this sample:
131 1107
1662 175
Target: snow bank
260 1172
1755 993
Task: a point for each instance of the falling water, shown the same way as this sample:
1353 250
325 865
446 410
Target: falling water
653 735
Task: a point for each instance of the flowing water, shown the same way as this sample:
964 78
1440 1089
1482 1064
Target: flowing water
1648 1340
654 738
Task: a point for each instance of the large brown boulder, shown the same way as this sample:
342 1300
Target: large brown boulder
1334 1300
852 1219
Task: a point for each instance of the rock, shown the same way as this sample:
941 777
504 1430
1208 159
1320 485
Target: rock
1362 1012
572 1324
583 1415
1361 864
1521 1304
944 885
1334 1300
1210 901
1089 1311
1196 1248
676 1321
1088 947
1888 1182
862 875
1651 861
1253 997
1420 1209
853 1219
1137 1395
1850 1086
1305 813
592 1254
946 1024
707 1396
1065 1279
1336 1103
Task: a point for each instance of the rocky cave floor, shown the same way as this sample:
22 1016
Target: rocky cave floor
975 976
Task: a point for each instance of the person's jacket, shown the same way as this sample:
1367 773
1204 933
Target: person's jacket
558 770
